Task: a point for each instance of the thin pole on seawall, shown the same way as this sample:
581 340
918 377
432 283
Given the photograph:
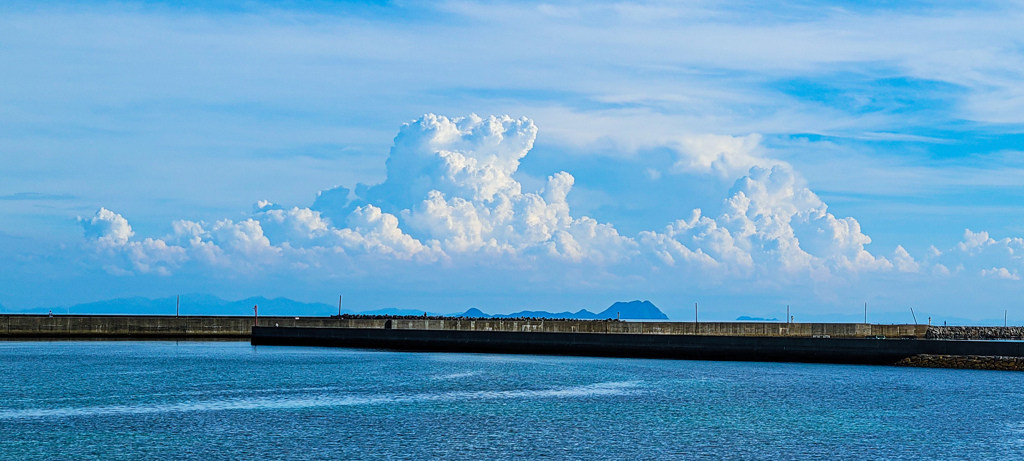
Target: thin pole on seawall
865 312
339 306
912 314
256 315
696 328
177 304
787 313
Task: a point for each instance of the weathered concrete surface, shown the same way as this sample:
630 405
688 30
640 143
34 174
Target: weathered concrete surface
972 362
221 326
677 346
836 330
959 332
833 330
143 326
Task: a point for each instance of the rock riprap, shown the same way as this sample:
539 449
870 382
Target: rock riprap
950 332
972 362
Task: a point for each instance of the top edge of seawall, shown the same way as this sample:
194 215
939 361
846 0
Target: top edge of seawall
454 318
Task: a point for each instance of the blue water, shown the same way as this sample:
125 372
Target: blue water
229 400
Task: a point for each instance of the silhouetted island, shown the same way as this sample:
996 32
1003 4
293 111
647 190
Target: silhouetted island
632 310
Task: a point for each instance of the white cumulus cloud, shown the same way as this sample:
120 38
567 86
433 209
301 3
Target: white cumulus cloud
770 223
451 198
111 234
1000 272
107 228
979 253
904 262
724 156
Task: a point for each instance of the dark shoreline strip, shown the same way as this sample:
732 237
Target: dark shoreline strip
966 362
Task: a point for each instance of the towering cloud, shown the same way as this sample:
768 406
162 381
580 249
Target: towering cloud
110 235
107 228
769 225
451 198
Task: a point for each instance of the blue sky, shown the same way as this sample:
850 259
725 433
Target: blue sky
800 130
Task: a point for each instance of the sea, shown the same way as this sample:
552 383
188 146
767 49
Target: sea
113 400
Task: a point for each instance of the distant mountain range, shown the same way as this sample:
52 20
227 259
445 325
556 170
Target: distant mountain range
633 310
201 304
193 304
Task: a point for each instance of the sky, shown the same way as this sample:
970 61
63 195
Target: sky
517 155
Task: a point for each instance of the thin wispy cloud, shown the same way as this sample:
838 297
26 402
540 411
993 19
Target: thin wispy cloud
35 196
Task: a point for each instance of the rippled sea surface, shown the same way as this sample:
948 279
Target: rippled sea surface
229 400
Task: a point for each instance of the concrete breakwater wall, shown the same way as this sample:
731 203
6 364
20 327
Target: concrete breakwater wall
973 362
823 330
676 346
960 332
223 326
803 342
143 326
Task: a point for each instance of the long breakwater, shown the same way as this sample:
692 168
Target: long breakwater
905 345
156 326
775 348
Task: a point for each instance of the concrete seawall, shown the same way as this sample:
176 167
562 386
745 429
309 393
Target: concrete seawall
676 346
831 330
144 326
796 342
13 325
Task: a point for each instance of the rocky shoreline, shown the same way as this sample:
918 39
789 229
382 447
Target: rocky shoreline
970 362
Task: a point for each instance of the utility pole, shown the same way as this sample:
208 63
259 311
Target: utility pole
177 304
256 315
865 313
339 306
696 328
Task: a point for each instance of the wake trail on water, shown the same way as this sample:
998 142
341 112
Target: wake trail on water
614 388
